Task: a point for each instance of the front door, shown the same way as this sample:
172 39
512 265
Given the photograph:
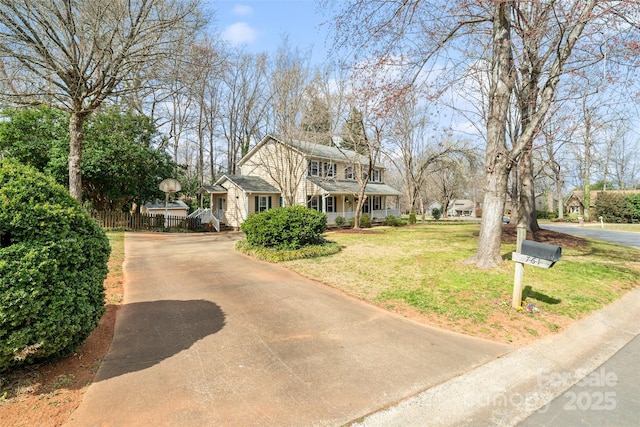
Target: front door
220 209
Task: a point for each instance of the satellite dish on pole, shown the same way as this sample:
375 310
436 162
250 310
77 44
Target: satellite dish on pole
168 186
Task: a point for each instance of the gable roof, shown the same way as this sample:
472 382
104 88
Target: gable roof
212 189
247 183
311 149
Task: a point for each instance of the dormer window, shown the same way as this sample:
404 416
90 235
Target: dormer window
376 176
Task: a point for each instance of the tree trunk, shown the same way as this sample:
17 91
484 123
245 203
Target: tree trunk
498 160
559 195
75 155
527 206
587 162
489 254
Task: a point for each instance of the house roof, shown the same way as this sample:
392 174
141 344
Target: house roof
250 184
337 186
176 204
461 205
311 149
212 189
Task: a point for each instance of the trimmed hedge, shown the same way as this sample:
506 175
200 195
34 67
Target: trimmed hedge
53 262
290 227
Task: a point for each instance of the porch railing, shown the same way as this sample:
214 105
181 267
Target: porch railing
375 215
206 217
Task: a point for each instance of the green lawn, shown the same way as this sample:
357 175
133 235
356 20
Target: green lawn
419 271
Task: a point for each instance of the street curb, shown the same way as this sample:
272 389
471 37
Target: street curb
509 389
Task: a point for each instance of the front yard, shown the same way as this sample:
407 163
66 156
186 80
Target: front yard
419 272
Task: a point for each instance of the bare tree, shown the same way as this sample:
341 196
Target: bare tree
412 36
414 152
73 55
244 105
366 139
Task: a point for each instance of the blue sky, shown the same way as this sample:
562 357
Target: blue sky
259 25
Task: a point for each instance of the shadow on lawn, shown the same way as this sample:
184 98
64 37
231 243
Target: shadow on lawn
146 333
530 293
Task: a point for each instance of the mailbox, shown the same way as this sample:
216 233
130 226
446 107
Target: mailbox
541 250
538 254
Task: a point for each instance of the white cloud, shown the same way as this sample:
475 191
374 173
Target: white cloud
239 33
242 10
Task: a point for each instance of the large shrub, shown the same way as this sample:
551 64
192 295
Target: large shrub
53 261
633 208
612 207
290 227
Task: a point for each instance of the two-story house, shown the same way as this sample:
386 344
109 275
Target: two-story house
276 173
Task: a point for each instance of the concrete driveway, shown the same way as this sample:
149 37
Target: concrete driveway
210 337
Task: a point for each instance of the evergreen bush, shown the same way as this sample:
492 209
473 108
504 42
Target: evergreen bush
412 216
392 220
340 221
290 227
53 262
633 208
436 213
365 220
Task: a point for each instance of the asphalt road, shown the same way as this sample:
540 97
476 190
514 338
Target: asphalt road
619 237
608 395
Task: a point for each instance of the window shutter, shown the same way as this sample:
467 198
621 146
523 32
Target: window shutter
269 203
257 204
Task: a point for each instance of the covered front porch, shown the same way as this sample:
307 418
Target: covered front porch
336 198
214 215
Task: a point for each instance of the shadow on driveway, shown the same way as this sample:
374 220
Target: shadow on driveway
150 332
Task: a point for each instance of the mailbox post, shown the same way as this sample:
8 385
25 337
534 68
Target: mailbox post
532 253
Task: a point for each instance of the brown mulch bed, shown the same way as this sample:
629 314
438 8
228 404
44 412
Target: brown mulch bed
549 237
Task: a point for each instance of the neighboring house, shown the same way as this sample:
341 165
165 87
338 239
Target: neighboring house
177 208
461 207
321 177
575 202
432 206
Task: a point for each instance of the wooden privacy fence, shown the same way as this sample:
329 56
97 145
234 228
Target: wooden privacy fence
129 221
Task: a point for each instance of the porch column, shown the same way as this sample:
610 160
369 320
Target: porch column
324 203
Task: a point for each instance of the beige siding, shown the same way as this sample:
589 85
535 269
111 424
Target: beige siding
236 209
281 167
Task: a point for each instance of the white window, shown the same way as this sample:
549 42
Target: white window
263 203
313 203
331 204
376 176
348 172
314 168
329 169
377 203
